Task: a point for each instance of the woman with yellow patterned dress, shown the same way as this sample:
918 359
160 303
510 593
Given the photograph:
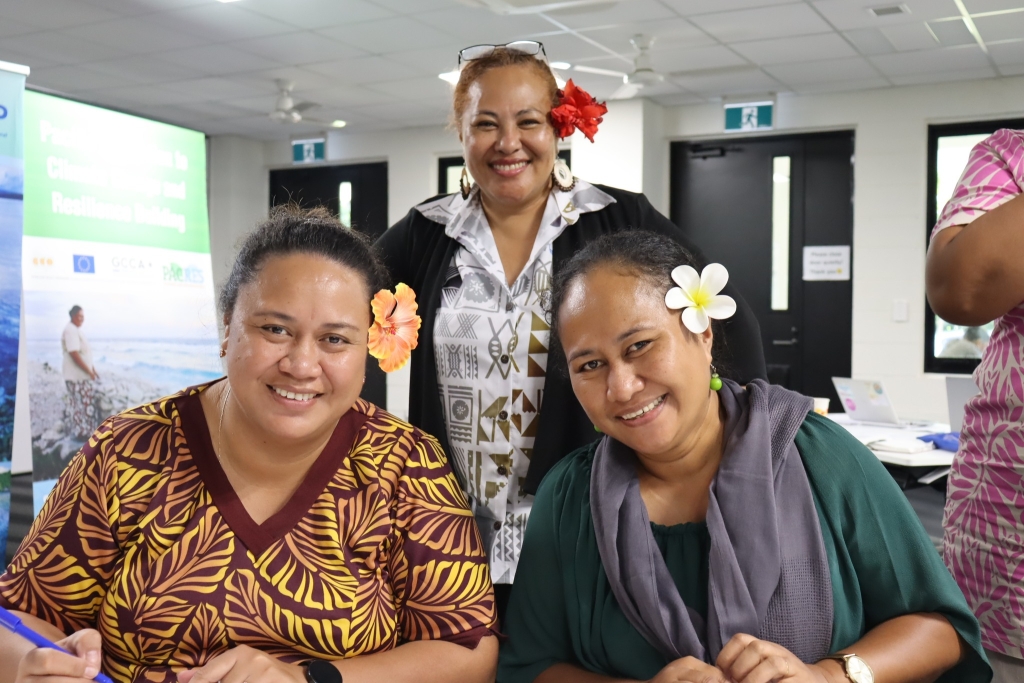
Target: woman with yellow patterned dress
269 527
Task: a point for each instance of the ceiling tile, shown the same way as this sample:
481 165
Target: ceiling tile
432 61
216 89
222 22
145 69
410 113
10 27
129 96
73 79
691 7
135 35
139 7
762 23
869 41
849 69
683 59
59 48
801 48
301 47
609 13
347 96
1012 70
907 37
473 25
1001 27
843 86
849 14
31 61
217 60
951 33
415 89
931 61
667 33
731 84
945 76
1005 54
362 70
979 6
389 35
303 79
314 14
406 7
566 47
54 14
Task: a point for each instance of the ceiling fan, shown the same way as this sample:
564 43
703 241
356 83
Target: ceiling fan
286 110
644 75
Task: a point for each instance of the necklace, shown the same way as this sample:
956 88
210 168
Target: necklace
223 404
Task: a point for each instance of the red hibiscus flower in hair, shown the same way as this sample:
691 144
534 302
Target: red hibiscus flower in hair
577 109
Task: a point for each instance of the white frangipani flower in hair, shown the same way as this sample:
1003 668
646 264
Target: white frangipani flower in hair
698 296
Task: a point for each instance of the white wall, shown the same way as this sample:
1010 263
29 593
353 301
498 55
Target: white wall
889 209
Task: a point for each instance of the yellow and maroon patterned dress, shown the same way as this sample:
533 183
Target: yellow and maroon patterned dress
145 540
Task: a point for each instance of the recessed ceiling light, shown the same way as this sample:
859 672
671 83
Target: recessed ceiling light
450 76
561 65
338 123
227 0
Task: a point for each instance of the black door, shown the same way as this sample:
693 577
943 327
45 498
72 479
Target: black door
731 196
358 195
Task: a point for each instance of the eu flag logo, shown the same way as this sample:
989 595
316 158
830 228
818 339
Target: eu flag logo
85 264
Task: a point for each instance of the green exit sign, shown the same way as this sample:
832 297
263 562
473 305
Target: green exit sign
749 116
307 151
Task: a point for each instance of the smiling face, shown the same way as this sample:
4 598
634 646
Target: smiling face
78 319
641 377
296 346
507 140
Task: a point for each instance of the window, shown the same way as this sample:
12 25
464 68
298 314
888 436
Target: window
449 170
949 348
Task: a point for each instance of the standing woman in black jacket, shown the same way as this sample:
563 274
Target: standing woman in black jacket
481 262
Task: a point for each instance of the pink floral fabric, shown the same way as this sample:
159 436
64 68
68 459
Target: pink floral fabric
984 517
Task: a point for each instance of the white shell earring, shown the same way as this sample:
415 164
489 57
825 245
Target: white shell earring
562 176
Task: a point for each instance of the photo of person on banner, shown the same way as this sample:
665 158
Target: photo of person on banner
79 375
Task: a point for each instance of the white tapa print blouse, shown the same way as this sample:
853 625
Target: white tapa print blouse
491 350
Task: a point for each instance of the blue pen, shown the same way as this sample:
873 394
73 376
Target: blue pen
13 624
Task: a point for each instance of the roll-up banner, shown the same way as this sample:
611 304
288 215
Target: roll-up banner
12 89
119 304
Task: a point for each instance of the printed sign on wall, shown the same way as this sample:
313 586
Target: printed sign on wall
119 305
827 263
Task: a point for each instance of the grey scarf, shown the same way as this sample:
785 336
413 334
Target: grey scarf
769 575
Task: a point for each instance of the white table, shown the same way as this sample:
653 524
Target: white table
937 461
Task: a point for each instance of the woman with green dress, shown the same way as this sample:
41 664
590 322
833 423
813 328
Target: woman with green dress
717 532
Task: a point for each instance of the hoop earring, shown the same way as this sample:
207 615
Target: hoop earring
464 185
562 177
716 381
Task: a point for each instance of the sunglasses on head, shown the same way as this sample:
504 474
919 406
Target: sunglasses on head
529 47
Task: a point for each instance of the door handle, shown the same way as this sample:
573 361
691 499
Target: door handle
785 342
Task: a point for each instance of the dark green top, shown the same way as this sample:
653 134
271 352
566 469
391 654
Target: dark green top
881 562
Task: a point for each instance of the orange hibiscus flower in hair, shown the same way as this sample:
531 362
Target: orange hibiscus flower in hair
577 109
395 330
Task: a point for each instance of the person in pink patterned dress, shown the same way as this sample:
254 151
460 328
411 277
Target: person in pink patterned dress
975 274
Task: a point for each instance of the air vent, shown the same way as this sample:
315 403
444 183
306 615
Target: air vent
889 10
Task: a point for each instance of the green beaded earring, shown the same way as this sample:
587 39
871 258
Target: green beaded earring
716 381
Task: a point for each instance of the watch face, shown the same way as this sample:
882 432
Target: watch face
321 671
858 670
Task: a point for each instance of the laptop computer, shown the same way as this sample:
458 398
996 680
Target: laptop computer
865 400
959 390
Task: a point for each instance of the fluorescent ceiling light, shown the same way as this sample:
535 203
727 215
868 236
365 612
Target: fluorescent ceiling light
227 0
450 76
561 65
338 123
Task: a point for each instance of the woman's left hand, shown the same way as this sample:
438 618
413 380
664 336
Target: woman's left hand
745 659
244 664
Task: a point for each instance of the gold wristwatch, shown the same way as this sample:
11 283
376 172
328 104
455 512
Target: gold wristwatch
855 668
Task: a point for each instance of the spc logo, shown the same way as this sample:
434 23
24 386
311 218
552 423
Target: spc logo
3 112
85 264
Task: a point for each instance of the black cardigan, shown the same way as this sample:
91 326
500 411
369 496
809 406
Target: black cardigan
417 251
